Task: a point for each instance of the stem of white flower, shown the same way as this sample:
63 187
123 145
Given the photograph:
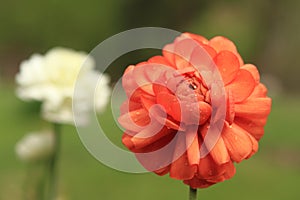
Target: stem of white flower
42 179
193 194
52 192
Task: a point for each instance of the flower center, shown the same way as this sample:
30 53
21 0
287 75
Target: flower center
190 89
194 99
193 86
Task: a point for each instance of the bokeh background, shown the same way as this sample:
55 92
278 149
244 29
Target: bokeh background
267 33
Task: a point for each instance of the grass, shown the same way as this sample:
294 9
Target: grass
271 174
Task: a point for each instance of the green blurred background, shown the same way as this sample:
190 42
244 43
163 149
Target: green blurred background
266 33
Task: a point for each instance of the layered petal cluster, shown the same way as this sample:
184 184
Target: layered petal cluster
51 79
169 106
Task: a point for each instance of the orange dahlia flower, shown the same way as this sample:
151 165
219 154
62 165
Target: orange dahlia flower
174 103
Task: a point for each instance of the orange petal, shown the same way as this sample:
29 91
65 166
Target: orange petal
147 101
135 95
149 135
147 88
142 80
193 151
141 64
154 71
181 170
229 171
134 120
128 106
128 81
166 99
253 70
259 91
145 75
228 65
183 50
163 171
237 142
160 60
196 113
242 86
180 167
209 50
253 107
230 113
220 43
126 140
208 169
152 147
254 145
175 110
219 152
202 58
171 104
157 88
254 127
198 183
168 53
129 68
158 114
205 112
196 37
173 125
152 158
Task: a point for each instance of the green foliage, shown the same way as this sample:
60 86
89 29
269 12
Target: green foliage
266 32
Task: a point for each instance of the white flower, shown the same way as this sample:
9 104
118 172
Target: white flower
52 79
35 146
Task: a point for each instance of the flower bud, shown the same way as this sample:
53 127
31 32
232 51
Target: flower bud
35 146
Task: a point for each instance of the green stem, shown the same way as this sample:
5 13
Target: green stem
53 162
42 179
27 183
193 194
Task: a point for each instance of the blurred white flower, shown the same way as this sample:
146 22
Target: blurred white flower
35 146
52 78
